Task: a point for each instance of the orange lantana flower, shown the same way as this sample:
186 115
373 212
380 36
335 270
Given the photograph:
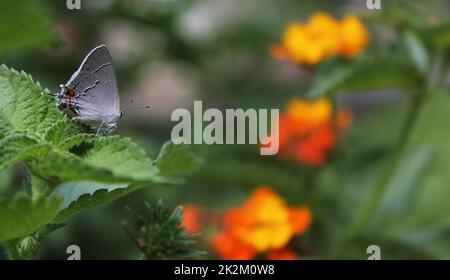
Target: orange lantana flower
191 218
308 130
284 254
322 37
263 223
230 248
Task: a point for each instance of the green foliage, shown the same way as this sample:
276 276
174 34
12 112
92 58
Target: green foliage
77 170
437 36
5 180
79 196
364 74
405 15
427 226
21 216
25 24
414 211
158 234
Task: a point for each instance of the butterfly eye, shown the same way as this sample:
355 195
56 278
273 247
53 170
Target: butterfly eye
70 93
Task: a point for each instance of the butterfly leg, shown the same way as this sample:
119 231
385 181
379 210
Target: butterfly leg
100 128
110 128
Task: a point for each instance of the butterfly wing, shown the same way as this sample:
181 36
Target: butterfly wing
96 89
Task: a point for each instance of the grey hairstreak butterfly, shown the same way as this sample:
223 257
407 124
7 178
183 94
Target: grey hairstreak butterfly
91 95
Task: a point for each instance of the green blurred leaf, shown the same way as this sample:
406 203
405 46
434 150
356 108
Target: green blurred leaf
432 129
398 200
437 36
21 216
406 14
367 73
417 51
24 24
423 196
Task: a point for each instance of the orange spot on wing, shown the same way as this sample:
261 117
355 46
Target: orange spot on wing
70 93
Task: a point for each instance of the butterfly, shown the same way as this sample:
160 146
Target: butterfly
91 95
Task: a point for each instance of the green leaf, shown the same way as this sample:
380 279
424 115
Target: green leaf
123 157
21 216
397 202
24 104
72 191
18 147
367 73
417 51
64 134
106 159
79 196
102 194
24 24
174 158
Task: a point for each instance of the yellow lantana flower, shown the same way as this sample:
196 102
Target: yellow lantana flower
354 36
321 37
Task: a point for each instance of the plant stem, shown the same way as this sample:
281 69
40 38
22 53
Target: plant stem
387 174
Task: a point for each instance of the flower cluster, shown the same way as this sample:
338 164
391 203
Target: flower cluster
322 37
264 224
308 130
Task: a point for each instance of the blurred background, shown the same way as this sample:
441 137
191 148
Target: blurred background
229 54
